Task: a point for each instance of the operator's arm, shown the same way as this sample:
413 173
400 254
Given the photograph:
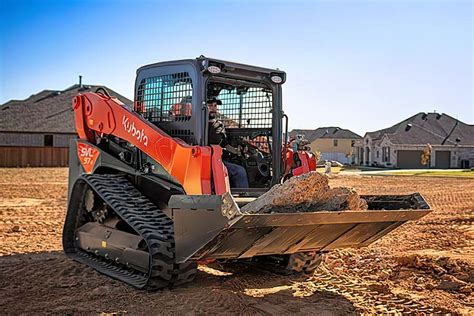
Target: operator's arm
217 134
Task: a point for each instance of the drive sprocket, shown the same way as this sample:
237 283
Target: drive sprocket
97 210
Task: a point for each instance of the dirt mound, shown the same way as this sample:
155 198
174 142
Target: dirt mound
448 274
307 192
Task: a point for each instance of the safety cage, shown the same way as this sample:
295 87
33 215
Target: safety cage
246 111
166 101
172 95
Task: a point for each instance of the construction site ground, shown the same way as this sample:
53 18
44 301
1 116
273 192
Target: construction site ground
423 266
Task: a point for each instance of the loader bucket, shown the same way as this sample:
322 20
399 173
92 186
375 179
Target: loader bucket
212 227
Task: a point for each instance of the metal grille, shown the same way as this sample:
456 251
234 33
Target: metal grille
261 142
245 109
166 98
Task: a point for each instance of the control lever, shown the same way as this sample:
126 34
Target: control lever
232 150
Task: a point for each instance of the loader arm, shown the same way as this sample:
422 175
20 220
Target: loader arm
191 166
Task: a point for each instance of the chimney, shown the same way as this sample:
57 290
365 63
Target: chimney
80 81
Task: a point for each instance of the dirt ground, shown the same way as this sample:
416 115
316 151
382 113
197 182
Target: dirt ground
424 266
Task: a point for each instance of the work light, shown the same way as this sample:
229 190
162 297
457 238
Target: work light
276 79
213 69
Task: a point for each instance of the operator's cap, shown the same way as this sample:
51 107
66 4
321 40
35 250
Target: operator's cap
219 102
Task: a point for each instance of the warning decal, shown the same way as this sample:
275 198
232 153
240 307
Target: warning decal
87 156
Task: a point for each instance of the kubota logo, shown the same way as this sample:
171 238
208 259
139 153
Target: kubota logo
132 130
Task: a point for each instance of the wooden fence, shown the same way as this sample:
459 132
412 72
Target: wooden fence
34 156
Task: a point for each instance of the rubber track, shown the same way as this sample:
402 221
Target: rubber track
304 262
151 224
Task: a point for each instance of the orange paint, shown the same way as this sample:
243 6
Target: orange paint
190 165
219 171
87 156
307 159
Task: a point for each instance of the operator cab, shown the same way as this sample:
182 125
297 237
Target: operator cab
172 95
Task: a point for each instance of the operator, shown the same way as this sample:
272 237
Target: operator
217 136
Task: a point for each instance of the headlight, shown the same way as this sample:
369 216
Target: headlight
213 69
276 79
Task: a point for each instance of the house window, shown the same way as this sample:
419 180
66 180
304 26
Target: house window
385 154
335 143
377 154
48 140
353 143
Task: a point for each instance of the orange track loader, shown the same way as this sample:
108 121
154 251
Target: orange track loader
149 197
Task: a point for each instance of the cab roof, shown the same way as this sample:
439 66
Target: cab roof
228 65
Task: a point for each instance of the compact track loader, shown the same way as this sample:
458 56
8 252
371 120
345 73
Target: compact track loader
149 197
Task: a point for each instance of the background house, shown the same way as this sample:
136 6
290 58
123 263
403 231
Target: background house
401 145
334 143
36 131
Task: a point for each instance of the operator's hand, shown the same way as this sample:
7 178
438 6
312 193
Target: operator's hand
218 126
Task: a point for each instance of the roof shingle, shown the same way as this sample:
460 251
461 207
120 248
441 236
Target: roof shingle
422 128
325 132
49 111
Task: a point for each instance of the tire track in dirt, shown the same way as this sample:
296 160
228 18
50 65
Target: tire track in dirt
366 299
369 299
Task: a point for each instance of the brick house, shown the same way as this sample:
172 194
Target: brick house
401 145
35 132
334 143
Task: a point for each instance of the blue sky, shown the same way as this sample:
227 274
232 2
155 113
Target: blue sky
362 65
